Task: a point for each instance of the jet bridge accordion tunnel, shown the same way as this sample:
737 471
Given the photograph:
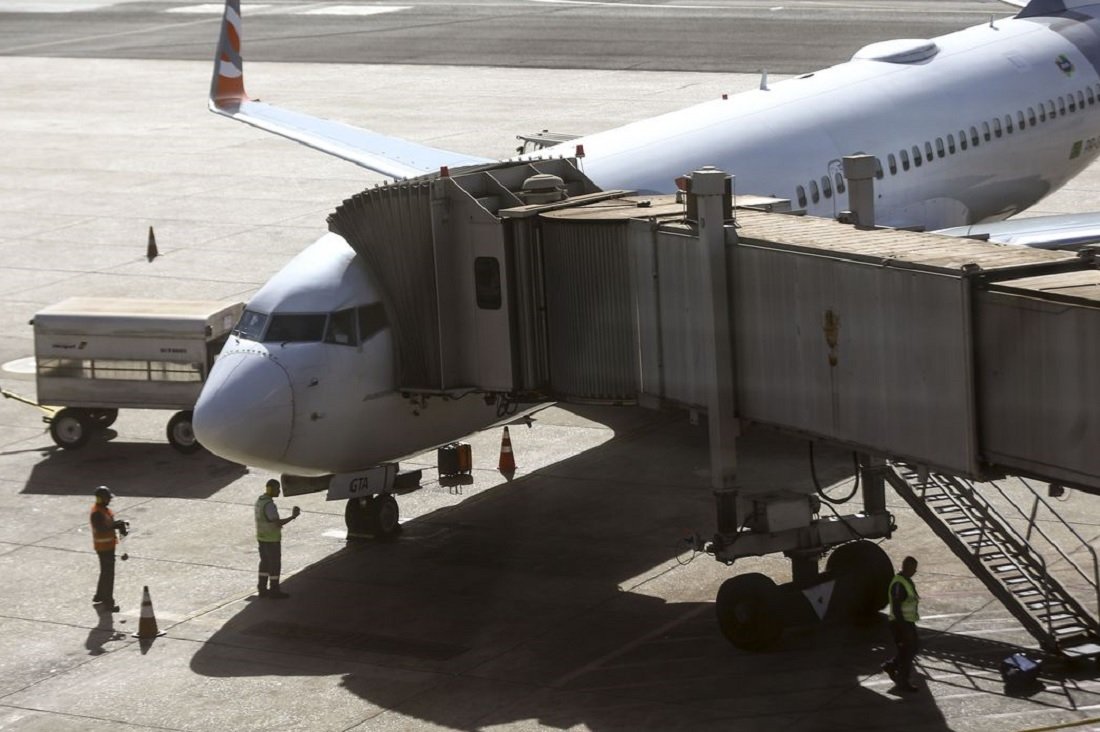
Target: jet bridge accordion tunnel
526 281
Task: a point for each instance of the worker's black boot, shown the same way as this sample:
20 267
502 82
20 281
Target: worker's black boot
261 586
275 593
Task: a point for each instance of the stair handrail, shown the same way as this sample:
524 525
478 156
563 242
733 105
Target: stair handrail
986 512
1094 581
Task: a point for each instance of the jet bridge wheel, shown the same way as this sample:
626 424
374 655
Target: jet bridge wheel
864 572
749 612
70 428
180 433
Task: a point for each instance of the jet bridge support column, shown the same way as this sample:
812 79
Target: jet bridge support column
710 189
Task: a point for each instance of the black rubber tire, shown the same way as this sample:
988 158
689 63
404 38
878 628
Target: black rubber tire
749 612
180 434
102 418
383 516
865 570
357 519
70 428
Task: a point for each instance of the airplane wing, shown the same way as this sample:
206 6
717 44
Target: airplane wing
1061 231
391 156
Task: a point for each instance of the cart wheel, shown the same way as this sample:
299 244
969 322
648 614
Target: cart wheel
749 612
102 418
383 516
69 428
181 435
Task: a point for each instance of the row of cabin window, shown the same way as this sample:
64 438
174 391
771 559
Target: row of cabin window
1032 118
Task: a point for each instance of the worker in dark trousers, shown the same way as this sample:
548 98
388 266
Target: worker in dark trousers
269 535
904 615
105 531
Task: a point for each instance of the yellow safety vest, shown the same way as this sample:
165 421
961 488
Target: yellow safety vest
909 604
266 530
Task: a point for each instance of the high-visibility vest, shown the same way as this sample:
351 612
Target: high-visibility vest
909 604
266 530
103 541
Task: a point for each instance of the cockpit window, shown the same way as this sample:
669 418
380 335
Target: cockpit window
341 328
251 325
295 328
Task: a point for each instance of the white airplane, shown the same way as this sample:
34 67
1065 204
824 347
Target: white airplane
968 127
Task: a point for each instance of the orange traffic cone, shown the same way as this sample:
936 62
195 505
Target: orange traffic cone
151 248
147 625
507 462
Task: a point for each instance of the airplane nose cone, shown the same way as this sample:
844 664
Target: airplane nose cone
246 410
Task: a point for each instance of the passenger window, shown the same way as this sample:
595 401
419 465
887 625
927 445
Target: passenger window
1062 106
372 320
487 283
1080 100
840 187
1021 123
341 328
985 132
1051 111
939 147
974 139
1030 116
904 160
1008 123
878 175
297 328
1088 93
251 325
996 127
893 163
916 156
814 193
928 151
801 193
826 186
951 144
962 139
1072 102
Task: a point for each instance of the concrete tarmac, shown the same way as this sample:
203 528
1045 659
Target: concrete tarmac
562 599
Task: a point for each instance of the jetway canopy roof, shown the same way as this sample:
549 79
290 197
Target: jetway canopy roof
890 246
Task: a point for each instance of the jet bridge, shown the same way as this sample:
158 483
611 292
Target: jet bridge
950 356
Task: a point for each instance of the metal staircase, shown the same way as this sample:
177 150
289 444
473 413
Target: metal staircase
1008 563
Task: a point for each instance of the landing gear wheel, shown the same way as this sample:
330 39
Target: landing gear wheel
865 570
749 612
70 428
102 418
383 516
180 434
357 519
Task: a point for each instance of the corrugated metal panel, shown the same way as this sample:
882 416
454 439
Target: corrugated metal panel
855 352
1037 384
391 229
590 314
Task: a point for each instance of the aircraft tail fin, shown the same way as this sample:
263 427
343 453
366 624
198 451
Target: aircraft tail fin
227 85
391 156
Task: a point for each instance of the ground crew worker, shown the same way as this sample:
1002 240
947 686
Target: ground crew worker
105 531
904 615
269 535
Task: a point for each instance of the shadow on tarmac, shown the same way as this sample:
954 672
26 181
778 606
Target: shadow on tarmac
544 599
139 469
